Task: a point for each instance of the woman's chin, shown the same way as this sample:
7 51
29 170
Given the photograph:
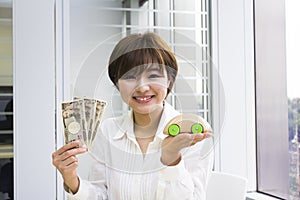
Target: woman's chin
147 109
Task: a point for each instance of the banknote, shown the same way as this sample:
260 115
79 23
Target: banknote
74 121
90 113
82 118
100 108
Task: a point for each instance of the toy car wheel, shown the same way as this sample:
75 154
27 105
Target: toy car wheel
173 129
197 128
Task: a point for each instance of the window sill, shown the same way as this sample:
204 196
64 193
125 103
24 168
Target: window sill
259 196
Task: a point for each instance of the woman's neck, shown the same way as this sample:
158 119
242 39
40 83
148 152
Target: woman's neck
145 125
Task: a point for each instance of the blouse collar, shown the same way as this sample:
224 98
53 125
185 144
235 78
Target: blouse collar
126 126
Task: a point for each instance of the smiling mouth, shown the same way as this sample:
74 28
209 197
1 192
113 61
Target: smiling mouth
143 99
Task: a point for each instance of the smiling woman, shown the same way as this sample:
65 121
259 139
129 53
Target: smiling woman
93 30
132 147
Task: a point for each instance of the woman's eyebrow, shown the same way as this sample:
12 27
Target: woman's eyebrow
153 67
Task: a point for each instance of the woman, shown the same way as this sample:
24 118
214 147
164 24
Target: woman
133 158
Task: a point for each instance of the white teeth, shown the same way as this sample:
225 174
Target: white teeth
142 99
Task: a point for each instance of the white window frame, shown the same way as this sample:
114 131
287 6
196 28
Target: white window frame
233 87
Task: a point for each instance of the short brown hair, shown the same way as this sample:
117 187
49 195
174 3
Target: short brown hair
139 49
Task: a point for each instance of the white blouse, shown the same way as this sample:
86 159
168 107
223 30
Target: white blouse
121 172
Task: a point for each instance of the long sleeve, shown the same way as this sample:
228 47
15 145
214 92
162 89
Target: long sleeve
96 185
188 179
89 190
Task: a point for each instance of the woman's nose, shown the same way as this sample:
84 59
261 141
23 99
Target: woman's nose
143 84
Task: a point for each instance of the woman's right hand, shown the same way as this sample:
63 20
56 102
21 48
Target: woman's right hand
65 160
171 146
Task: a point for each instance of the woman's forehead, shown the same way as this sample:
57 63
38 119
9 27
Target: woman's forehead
149 67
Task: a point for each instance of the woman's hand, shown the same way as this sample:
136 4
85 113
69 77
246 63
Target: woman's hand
65 160
171 146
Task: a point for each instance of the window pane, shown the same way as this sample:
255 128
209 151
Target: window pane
6 101
271 99
293 71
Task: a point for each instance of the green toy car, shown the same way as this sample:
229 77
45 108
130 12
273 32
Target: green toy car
186 123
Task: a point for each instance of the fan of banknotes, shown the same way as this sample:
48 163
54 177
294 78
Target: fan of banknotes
81 119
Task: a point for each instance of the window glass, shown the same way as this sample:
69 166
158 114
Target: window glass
271 99
293 71
6 101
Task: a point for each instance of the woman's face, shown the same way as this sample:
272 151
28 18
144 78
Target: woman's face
144 88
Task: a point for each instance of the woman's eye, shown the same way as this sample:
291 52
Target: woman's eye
128 77
154 76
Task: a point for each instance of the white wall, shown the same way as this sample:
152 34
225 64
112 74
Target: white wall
34 99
